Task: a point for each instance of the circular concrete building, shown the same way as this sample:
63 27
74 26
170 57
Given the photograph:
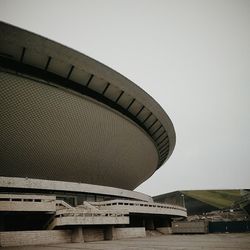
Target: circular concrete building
67 117
76 138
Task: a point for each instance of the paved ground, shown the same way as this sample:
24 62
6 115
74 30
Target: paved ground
170 242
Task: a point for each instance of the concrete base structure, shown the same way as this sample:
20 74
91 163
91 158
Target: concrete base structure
25 238
174 242
30 218
170 242
77 235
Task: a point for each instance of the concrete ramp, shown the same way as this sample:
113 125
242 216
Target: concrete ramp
81 216
142 207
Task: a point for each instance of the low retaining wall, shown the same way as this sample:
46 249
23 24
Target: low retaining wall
45 237
22 238
128 232
164 230
190 227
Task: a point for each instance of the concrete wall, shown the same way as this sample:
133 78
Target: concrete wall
91 220
93 234
39 203
22 238
45 237
29 183
128 232
99 234
190 227
27 206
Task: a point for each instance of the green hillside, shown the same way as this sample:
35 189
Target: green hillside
217 198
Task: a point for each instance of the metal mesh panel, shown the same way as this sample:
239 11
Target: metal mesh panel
49 133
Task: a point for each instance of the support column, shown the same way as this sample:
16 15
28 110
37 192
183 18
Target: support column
77 235
109 233
143 222
150 224
2 222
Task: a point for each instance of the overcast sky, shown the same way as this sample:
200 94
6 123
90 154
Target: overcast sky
193 57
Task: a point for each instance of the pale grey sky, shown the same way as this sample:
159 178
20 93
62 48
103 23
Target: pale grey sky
193 57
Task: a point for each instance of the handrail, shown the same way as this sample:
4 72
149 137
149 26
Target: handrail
75 213
64 204
118 202
85 212
26 198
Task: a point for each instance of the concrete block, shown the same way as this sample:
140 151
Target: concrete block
93 234
128 232
24 238
190 227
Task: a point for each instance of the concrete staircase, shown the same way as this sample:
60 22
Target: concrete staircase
86 205
60 204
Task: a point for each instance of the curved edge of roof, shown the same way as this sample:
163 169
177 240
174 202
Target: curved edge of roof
38 44
29 183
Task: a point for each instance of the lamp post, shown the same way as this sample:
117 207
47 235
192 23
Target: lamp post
183 200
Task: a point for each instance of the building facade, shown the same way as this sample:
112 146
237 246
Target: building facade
76 139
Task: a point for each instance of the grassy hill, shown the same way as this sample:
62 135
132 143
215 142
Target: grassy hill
201 201
216 198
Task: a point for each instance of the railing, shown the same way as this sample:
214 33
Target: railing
137 203
39 203
81 216
60 204
27 198
76 212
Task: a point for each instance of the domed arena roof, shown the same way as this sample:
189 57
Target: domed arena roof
65 116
